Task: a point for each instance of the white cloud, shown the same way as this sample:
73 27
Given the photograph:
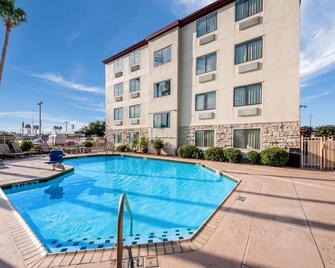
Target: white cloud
182 7
48 121
318 38
60 81
321 94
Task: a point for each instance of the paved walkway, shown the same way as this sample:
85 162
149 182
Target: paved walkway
278 217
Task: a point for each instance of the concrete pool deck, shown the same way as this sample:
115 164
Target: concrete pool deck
277 217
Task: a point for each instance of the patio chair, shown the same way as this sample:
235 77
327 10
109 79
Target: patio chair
17 150
56 159
6 152
1 162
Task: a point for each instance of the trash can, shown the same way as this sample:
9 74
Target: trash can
294 157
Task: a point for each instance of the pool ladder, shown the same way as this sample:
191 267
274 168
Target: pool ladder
119 246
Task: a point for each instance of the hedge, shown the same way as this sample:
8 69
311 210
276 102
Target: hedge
253 157
215 154
233 155
190 151
274 157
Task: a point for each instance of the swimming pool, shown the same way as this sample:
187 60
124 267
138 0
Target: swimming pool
77 211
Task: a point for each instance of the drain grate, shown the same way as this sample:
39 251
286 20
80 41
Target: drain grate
241 198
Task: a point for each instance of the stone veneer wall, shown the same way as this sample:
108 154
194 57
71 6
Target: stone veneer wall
280 134
125 134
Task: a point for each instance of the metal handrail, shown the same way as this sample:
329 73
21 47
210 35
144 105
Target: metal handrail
119 245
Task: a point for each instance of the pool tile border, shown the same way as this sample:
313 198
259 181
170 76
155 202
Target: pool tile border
35 254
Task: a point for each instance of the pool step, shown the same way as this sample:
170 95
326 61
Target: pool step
136 239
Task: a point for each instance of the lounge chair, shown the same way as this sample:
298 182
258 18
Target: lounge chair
1 162
17 149
56 159
6 152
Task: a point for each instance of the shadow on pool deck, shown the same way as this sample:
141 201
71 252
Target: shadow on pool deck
4 264
288 197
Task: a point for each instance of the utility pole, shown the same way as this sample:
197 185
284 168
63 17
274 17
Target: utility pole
66 124
32 121
40 116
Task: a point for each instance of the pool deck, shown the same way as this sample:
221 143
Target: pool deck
277 217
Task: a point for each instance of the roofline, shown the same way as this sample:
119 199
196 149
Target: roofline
178 23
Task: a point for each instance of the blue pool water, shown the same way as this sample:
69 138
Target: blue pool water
169 201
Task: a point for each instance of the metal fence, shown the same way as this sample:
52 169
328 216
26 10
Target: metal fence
318 152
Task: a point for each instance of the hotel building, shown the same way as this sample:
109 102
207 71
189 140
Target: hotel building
227 75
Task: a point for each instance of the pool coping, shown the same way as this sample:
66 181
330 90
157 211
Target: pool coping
36 255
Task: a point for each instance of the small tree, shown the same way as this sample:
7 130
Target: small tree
94 128
135 145
143 144
306 131
327 130
158 145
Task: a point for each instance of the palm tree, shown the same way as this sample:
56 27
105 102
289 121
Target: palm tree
11 17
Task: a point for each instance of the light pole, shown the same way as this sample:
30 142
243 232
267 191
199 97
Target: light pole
40 116
66 124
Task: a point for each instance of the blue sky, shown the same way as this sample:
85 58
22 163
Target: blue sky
56 57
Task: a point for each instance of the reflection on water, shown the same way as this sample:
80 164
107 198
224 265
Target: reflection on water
55 191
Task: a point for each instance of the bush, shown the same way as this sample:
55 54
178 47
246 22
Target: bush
253 157
88 144
274 157
215 154
157 144
190 151
233 155
135 144
143 144
122 148
26 145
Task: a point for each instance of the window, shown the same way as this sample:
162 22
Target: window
118 114
205 101
207 25
204 138
162 120
246 138
246 8
134 85
248 95
248 51
117 137
133 136
134 111
118 89
118 65
134 57
206 63
162 89
162 56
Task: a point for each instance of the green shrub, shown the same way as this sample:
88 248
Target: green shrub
26 145
88 144
274 157
122 148
215 154
190 151
135 144
157 144
233 155
253 157
143 144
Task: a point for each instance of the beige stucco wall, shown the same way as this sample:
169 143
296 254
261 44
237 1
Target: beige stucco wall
279 73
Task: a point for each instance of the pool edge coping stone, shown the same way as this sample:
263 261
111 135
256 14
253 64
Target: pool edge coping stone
195 242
